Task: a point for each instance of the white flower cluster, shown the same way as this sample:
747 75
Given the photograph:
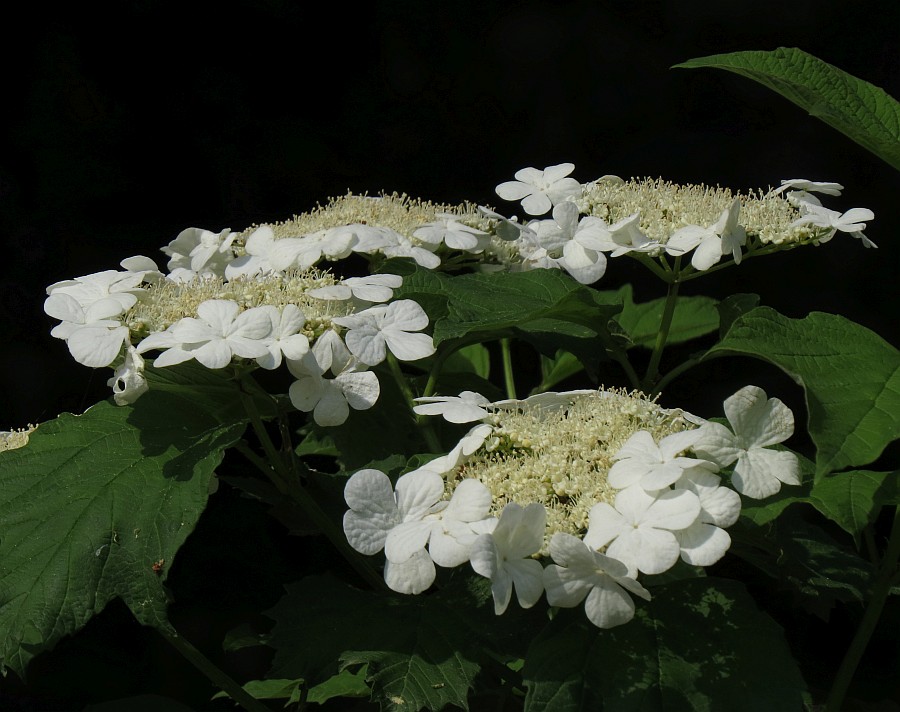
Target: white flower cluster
616 217
262 308
648 484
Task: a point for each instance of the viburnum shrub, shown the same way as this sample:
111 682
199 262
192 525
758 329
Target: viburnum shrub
549 550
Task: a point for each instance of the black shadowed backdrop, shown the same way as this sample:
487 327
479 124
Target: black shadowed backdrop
125 122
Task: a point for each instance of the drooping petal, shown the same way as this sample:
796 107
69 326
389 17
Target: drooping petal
759 473
412 576
96 346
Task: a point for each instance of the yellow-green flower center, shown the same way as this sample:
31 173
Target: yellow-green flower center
167 302
560 457
665 207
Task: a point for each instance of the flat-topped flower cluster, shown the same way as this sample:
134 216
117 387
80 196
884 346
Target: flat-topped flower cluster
218 309
607 483
260 295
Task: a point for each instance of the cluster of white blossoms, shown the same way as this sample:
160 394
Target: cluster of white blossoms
219 308
572 495
611 216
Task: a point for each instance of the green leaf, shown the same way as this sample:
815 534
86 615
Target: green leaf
851 377
859 110
344 684
473 358
422 651
693 317
562 366
732 307
502 303
91 504
852 499
700 644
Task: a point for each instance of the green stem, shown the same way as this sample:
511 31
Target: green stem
430 436
285 478
662 336
881 589
620 358
213 673
687 365
508 376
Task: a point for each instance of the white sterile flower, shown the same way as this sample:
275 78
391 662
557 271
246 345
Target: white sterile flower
639 529
464 408
199 252
391 243
503 556
582 574
330 400
446 529
625 236
468 444
285 337
581 242
259 246
363 290
330 353
378 328
128 381
540 190
123 287
704 542
219 333
713 242
757 423
640 461
812 186
94 337
852 221
454 234
305 251
507 229
375 509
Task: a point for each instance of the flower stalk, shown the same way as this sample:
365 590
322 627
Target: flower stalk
881 589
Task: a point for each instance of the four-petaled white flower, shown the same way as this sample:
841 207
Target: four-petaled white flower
362 290
405 520
446 529
812 186
711 243
852 221
640 461
705 541
259 247
639 529
330 399
219 333
378 328
503 555
454 234
199 252
93 334
285 337
757 422
625 236
541 190
391 243
464 408
582 574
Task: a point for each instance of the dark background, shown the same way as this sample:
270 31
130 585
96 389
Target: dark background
126 122
130 121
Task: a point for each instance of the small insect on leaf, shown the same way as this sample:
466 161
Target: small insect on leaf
158 566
